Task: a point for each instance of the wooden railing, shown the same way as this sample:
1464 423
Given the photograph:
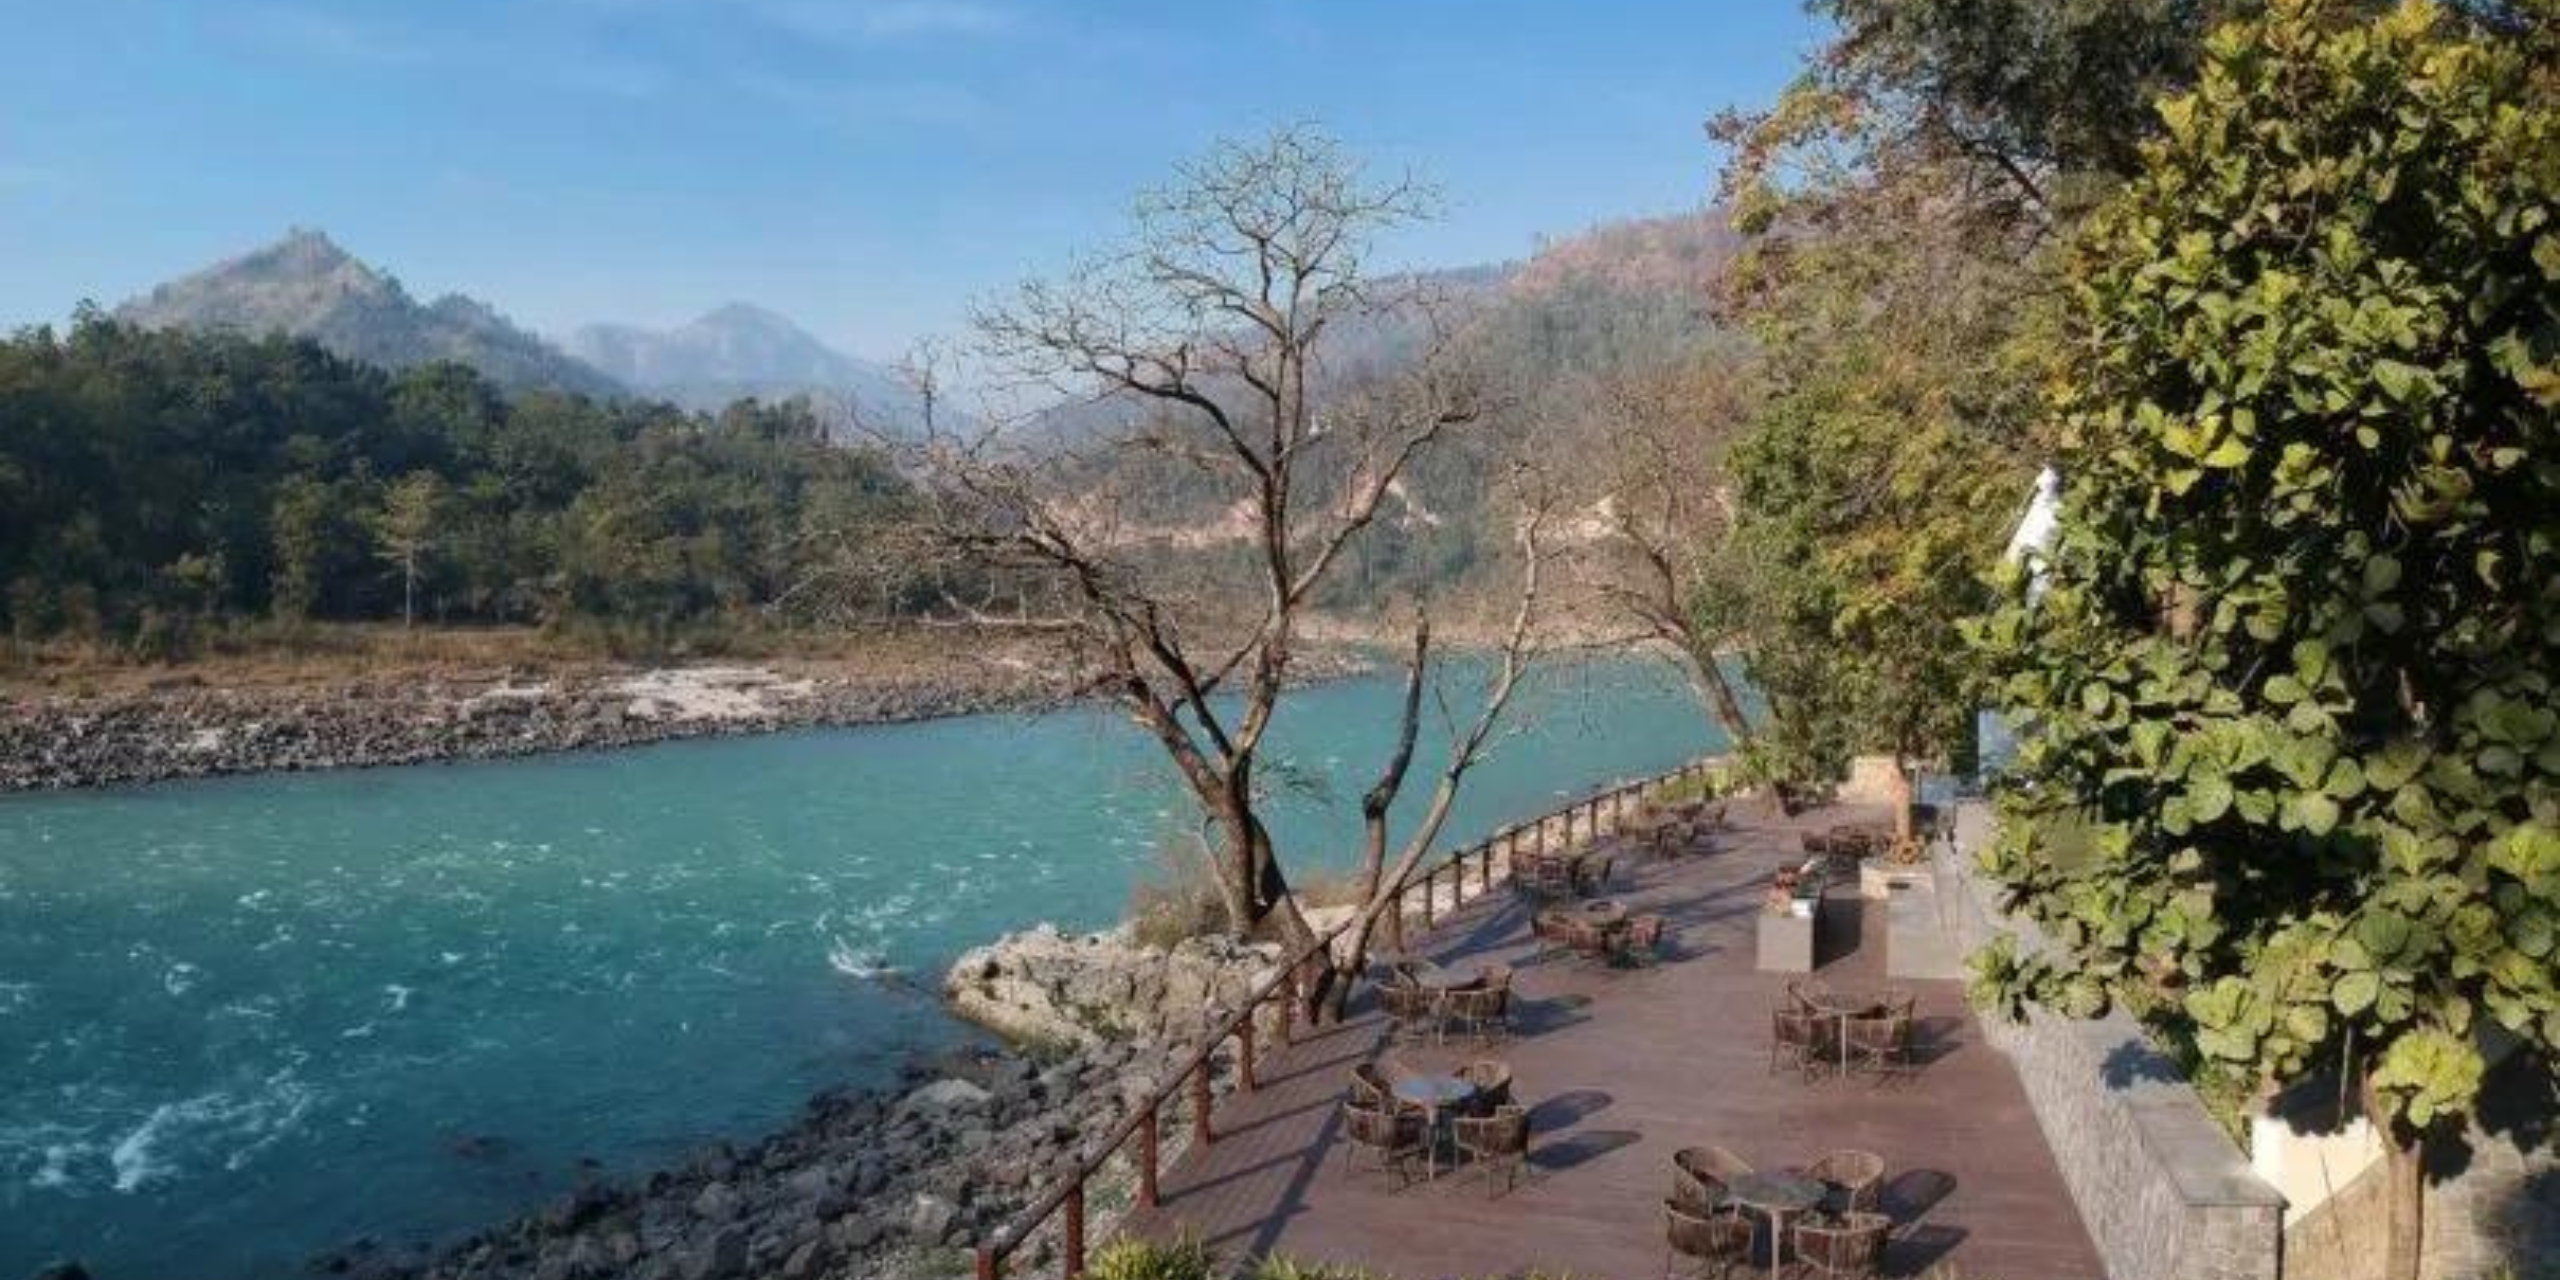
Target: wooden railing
1552 831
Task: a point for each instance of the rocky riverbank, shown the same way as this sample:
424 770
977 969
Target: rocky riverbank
184 727
886 1184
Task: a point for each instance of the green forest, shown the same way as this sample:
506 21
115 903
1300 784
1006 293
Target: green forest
154 483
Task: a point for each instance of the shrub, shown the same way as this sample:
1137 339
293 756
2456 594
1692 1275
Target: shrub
1132 1259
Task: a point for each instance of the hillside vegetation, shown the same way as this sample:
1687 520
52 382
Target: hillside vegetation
157 483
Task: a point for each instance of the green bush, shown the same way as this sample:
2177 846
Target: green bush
2291 658
1132 1259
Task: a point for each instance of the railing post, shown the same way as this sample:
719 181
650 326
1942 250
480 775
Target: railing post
1244 1040
1289 1008
1427 877
1200 1133
1484 866
1147 1158
1075 1230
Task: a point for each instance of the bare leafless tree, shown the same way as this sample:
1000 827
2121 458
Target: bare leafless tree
1380 895
1653 435
1214 471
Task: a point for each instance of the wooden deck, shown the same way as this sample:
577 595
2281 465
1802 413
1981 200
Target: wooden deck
1621 1068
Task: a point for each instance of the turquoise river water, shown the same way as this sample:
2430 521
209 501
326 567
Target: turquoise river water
246 1019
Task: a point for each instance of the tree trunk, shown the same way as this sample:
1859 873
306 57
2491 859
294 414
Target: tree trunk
1903 798
2404 1190
1724 707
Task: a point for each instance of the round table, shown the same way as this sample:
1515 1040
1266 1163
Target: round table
1775 1195
1603 913
1454 977
1434 1094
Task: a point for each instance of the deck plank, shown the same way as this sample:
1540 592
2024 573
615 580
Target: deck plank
1621 1069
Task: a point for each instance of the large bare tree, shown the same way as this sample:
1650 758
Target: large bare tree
1175 528
1653 434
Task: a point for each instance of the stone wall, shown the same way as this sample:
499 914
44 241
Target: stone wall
2165 1193
2493 1196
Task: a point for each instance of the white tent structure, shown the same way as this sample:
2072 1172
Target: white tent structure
1995 743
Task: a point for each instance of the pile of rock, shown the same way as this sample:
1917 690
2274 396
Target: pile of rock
182 729
58 741
868 1184
1042 987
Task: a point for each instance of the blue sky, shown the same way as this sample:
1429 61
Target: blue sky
865 166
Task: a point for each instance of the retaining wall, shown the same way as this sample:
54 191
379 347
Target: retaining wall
2165 1193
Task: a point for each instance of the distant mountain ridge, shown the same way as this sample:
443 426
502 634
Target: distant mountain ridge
736 351
306 286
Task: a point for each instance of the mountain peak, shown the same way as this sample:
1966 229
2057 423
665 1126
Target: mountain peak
737 349
308 286
741 315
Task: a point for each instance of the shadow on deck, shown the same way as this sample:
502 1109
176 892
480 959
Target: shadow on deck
1621 1068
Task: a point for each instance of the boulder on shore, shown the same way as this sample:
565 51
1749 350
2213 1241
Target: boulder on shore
1073 991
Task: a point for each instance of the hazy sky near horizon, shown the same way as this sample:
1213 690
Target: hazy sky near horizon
867 167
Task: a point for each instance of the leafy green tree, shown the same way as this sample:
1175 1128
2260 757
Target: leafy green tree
317 545
407 531
2290 667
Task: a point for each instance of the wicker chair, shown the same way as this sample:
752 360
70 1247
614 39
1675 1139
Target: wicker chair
1880 1044
1370 1088
1591 875
1549 879
1641 944
1811 994
1714 1246
1701 1179
1850 1247
1497 1143
1483 1012
1411 1010
1493 1084
1552 929
1851 1181
1800 1039
1587 940
1387 1141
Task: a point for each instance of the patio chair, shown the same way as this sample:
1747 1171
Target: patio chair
1714 1246
1851 1181
1850 1247
1483 1012
1812 994
1641 944
1880 1044
1387 1141
1587 940
1552 929
1497 1143
1411 1010
1370 1088
1552 879
1492 1080
1701 1179
1800 1039
1592 875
